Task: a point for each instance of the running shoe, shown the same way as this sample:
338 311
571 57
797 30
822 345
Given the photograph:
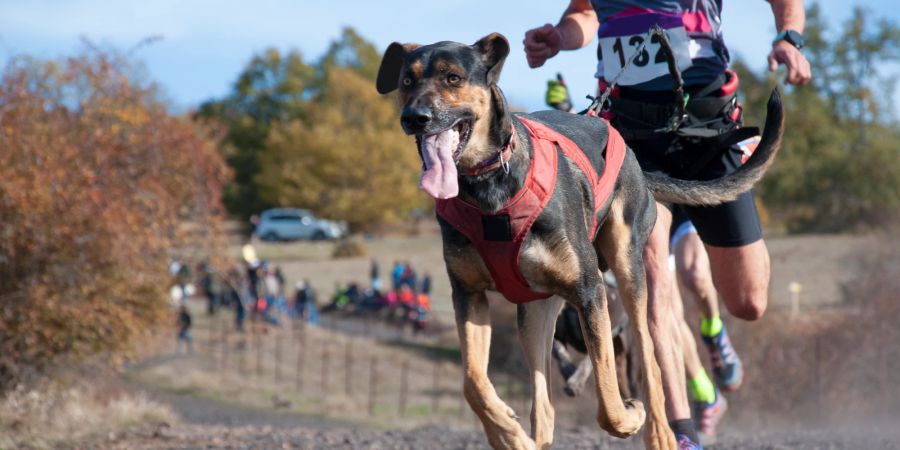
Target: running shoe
726 364
708 417
686 443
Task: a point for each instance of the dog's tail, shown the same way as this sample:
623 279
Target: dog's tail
727 188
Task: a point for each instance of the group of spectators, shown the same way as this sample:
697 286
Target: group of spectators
407 301
258 290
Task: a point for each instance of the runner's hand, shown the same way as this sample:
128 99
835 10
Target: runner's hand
797 66
541 44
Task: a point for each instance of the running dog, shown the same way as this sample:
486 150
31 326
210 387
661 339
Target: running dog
531 205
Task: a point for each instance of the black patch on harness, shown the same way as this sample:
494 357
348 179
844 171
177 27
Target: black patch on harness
496 227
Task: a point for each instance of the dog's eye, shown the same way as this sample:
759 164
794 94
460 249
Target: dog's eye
407 81
454 78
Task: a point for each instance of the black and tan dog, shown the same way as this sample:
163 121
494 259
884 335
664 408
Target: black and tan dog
475 151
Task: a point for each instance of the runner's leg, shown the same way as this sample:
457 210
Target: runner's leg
693 271
663 328
741 276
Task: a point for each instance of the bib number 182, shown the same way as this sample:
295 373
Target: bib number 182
643 58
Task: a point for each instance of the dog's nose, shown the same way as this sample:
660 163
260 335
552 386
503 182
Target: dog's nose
415 117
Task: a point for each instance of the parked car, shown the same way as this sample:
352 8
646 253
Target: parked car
281 224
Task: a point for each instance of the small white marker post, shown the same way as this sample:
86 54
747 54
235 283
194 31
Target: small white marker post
794 289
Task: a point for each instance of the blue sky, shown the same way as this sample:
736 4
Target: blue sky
206 43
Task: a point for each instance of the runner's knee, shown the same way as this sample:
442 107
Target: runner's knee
747 304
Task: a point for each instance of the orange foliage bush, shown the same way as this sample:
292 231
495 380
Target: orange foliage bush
96 179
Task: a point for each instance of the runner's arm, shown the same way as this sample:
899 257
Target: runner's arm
575 30
789 15
578 25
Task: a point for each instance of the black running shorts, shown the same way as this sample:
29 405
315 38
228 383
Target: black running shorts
731 224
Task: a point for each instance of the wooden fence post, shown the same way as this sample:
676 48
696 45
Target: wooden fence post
404 387
373 384
348 366
278 358
435 386
259 351
324 369
301 353
224 328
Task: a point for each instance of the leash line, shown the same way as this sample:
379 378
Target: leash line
602 103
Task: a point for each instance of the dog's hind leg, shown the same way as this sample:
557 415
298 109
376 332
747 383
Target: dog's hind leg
562 357
536 322
621 242
473 323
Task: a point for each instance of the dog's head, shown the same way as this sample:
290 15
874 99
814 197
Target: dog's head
450 102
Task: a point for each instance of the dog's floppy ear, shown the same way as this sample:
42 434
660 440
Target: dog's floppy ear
494 48
391 63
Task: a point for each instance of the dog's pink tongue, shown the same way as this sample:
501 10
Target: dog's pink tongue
439 179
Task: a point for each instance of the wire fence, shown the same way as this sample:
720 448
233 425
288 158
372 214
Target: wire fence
344 368
810 369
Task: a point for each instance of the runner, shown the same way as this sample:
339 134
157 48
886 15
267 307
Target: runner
695 145
693 274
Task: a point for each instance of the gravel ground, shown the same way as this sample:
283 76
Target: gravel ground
437 438
210 424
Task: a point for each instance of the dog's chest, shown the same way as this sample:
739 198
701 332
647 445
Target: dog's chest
549 265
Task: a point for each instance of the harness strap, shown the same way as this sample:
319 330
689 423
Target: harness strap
498 236
602 185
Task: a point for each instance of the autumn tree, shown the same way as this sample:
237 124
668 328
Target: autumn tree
271 88
319 137
350 160
97 181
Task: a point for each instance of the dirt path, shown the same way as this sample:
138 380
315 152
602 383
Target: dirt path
210 423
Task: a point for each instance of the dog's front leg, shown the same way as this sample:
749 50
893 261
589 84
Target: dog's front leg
619 418
620 242
473 322
536 322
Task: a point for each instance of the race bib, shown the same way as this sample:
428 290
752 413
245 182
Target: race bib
622 36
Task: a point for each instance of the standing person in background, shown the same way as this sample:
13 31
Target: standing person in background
210 288
184 330
301 298
410 278
558 96
237 303
312 302
281 299
279 275
253 223
254 290
396 276
374 276
272 293
426 283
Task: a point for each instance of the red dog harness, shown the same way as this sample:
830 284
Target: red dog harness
498 236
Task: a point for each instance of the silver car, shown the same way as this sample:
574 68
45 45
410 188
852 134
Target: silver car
281 224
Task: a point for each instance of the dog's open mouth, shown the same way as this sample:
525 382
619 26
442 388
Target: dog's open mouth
440 153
